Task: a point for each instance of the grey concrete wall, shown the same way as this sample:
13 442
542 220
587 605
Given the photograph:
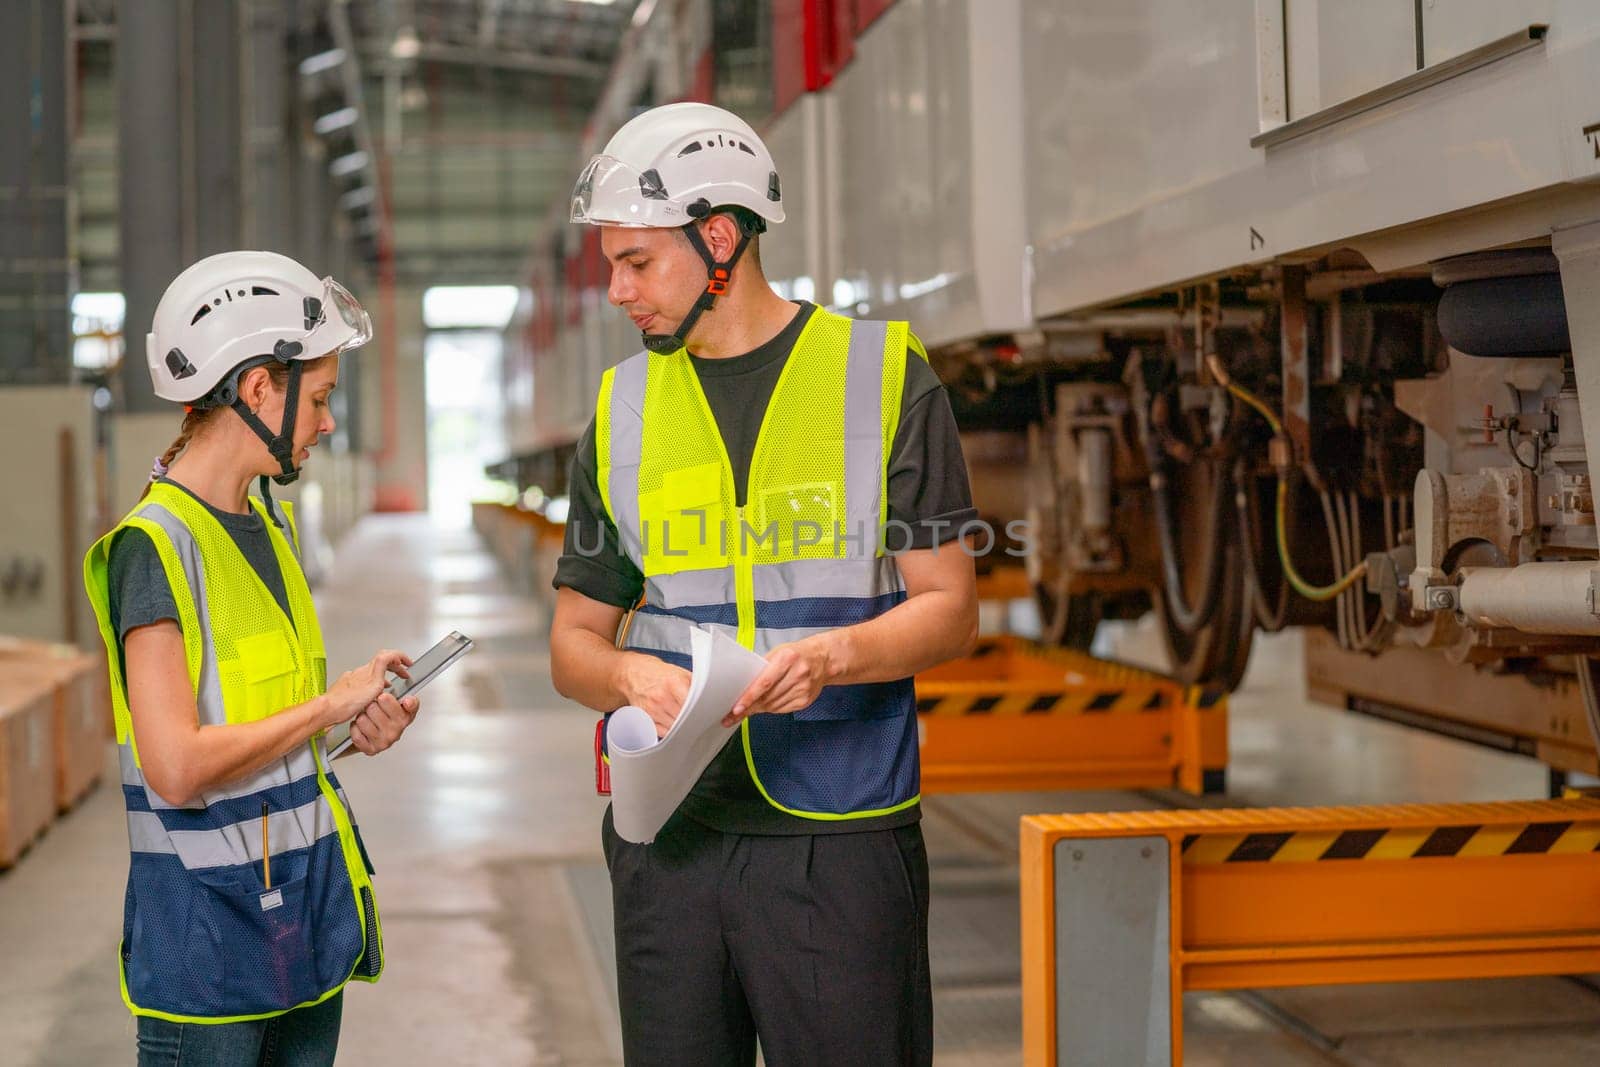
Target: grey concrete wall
52 512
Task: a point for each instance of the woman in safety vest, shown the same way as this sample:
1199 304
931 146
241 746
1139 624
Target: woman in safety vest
249 901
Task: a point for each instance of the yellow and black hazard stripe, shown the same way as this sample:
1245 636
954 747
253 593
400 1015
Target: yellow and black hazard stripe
1109 673
1394 844
1078 700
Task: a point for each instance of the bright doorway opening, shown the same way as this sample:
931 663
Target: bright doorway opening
466 413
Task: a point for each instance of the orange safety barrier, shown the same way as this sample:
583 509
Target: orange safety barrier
1018 716
1231 899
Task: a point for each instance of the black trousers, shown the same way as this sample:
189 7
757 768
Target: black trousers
816 944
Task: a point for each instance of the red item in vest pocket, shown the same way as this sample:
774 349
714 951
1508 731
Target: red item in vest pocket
602 770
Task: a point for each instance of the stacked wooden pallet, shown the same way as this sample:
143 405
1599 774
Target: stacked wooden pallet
55 722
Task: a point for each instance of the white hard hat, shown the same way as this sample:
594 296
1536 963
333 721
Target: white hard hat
240 308
672 165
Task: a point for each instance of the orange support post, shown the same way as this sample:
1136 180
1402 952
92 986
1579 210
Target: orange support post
1019 716
1230 899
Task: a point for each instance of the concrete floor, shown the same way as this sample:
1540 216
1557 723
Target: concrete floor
484 829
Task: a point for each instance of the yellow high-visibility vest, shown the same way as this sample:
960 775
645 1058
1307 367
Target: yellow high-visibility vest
803 554
205 940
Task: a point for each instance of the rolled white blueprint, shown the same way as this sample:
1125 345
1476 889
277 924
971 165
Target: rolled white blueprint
650 777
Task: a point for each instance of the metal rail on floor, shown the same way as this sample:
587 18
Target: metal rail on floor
1123 913
1019 716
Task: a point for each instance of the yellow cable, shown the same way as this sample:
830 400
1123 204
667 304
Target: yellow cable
1297 583
1250 398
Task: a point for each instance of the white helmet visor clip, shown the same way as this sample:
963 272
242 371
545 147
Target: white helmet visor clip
351 326
610 192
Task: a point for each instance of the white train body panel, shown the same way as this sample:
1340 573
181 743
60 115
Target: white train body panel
1140 113
980 166
797 256
927 192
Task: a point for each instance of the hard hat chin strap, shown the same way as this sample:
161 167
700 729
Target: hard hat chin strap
281 444
718 275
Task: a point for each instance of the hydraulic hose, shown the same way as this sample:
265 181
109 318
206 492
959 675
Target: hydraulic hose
1190 620
1270 620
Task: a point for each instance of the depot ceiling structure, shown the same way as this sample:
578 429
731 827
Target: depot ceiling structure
467 112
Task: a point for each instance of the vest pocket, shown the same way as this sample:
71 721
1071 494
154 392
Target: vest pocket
834 767
264 673
803 518
260 941
216 943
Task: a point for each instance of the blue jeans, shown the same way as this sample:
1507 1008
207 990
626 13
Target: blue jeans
306 1037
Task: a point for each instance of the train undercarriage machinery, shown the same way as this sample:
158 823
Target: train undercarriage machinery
1266 315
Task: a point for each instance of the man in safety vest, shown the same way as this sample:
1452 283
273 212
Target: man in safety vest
787 475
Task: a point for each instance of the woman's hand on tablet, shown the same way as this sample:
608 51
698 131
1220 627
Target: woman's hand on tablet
356 690
382 722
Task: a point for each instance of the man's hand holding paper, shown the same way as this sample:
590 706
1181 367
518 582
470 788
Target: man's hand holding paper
793 679
656 687
652 771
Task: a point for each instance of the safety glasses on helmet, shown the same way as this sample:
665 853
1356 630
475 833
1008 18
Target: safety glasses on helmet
350 314
610 192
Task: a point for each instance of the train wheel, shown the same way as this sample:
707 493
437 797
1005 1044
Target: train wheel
1218 653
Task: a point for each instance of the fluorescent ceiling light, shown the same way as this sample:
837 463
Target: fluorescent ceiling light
321 61
347 164
360 197
335 120
406 45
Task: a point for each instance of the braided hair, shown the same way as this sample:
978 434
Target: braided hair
194 417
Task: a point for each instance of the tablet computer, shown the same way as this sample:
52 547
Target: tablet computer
424 669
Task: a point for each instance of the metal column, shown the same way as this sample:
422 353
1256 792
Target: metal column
267 175
179 154
36 229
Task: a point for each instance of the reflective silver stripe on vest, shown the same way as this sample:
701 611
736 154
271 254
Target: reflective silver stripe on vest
664 633
291 768
240 843
768 639
146 834
627 445
827 577
689 589
208 697
668 633
863 431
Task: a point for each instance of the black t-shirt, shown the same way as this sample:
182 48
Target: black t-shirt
928 492
138 592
